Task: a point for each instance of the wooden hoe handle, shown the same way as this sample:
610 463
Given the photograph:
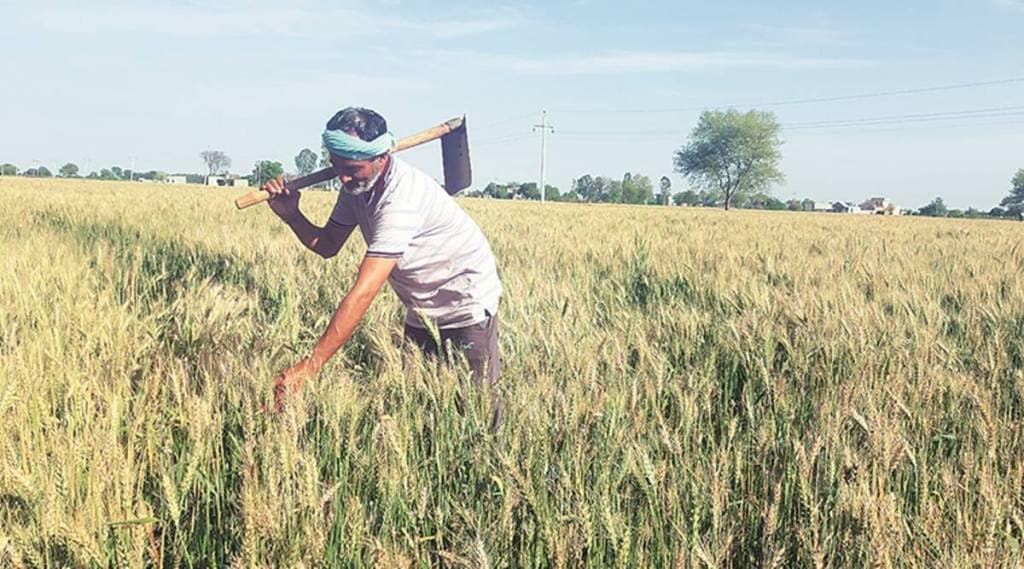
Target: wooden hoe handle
433 133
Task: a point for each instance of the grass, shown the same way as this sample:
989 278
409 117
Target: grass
686 388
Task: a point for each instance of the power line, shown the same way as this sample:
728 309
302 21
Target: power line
984 113
831 99
970 113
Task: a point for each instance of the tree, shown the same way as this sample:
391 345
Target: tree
69 170
8 169
997 212
794 205
305 162
637 189
552 193
937 208
689 197
807 204
40 172
665 185
529 191
117 172
265 170
107 174
1014 203
216 161
732 152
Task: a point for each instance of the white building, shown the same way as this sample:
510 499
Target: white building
176 179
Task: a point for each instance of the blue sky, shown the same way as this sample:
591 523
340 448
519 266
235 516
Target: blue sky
157 82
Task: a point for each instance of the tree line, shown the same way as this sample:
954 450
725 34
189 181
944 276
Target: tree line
731 159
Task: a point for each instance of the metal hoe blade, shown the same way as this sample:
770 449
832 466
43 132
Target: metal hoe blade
458 174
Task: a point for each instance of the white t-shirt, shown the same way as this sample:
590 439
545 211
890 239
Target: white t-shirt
446 270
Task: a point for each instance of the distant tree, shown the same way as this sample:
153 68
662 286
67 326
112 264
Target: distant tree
117 172
40 172
707 198
529 191
305 162
107 174
265 170
774 204
613 191
794 205
997 212
93 176
688 197
69 170
552 193
732 152
958 213
8 169
216 161
581 186
807 205
1014 203
637 189
665 185
937 208
973 213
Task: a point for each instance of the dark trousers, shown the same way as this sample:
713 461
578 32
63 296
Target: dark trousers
479 344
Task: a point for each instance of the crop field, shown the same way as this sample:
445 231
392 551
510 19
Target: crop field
685 387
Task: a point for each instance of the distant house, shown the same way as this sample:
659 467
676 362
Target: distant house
227 181
176 179
880 206
844 207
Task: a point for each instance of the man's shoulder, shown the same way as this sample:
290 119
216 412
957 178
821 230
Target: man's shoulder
404 176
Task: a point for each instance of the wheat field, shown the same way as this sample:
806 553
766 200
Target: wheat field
685 387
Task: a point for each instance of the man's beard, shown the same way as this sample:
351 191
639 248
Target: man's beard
364 186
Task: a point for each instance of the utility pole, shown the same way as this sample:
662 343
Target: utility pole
544 129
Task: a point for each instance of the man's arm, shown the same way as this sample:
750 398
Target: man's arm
324 241
372 273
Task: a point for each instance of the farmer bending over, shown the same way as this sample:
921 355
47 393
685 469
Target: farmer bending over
436 258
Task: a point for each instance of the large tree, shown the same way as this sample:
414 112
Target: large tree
305 162
732 152
1014 203
216 161
8 169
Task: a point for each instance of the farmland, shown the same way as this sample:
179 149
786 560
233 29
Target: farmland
686 387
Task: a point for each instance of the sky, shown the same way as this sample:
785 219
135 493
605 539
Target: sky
623 83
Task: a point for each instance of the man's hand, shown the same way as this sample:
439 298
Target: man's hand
290 381
283 202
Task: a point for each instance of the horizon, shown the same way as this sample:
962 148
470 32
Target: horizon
911 102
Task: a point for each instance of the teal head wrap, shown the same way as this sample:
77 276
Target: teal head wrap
350 147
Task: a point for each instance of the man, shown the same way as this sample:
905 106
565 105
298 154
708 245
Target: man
433 254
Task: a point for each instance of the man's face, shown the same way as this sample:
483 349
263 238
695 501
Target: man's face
358 176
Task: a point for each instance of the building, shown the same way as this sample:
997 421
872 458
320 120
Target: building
227 181
880 206
176 179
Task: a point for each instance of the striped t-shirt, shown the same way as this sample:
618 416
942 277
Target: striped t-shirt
446 270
